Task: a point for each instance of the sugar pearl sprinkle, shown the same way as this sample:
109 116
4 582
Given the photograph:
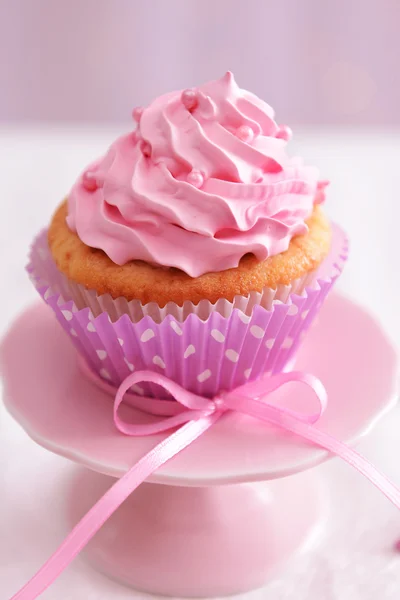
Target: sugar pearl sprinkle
284 133
137 113
190 99
245 133
195 178
89 182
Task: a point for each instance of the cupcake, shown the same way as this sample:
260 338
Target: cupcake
196 246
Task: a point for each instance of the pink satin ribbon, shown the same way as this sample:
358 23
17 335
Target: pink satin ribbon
194 415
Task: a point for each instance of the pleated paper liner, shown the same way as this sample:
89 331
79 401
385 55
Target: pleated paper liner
205 347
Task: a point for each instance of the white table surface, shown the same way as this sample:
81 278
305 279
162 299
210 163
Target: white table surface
354 560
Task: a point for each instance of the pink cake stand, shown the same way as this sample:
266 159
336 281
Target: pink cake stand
186 532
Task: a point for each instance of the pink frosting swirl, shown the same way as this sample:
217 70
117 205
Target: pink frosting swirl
204 180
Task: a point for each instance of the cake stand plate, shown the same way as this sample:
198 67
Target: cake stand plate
193 536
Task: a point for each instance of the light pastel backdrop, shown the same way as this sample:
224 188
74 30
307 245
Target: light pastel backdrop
317 61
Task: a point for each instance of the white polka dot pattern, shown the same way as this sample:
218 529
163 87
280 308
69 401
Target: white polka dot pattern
217 353
105 374
189 351
232 355
147 335
128 364
204 376
257 332
218 335
244 318
157 360
287 343
175 327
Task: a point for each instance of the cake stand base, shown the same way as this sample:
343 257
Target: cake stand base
199 542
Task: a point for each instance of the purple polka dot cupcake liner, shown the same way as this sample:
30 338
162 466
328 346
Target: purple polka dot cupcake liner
205 347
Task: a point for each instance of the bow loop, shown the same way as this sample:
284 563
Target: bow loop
251 398
174 413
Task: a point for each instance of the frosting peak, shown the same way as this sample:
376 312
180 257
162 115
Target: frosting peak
204 180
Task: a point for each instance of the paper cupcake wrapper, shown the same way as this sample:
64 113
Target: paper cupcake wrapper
206 347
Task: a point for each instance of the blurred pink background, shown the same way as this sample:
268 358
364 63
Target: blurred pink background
317 62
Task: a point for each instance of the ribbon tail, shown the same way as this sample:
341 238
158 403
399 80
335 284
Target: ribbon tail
288 421
349 455
110 502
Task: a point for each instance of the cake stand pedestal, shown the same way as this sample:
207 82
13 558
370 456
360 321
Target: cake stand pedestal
223 515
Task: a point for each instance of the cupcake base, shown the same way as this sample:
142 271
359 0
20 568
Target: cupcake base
204 347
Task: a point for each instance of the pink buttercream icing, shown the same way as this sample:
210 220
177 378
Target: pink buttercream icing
204 180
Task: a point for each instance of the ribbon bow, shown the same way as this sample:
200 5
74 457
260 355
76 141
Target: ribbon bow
193 415
186 407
